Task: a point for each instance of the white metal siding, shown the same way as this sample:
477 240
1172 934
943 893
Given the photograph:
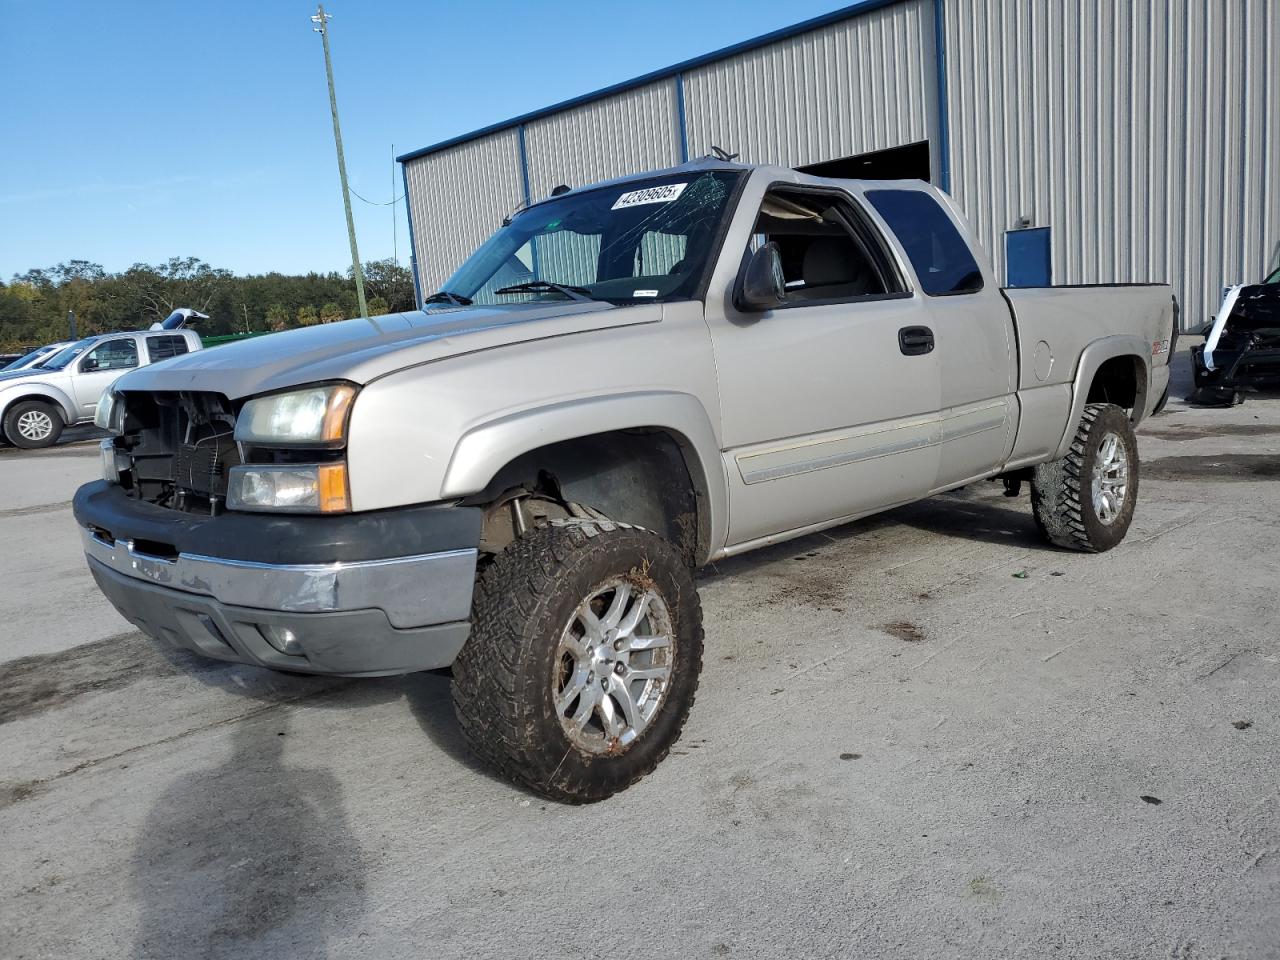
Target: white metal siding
630 132
1137 130
863 84
457 198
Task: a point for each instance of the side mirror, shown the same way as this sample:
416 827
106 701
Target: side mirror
763 285
88 365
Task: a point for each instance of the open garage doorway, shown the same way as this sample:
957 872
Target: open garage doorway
897 163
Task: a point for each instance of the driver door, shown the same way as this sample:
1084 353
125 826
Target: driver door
100 368
829 401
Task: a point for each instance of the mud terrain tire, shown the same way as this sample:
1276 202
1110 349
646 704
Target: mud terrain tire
513 680
1085 500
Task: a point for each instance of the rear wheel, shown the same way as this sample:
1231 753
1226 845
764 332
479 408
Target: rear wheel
32 424
583 659
1085 501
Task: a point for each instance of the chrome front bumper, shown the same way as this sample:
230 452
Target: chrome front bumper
412 591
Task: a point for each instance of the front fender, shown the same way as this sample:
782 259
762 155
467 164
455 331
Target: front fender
1094 355
487 448
28 391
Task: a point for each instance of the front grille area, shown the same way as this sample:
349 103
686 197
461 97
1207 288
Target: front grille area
180 447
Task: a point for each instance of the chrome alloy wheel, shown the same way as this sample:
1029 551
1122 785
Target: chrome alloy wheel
613 666
1110 478
35 425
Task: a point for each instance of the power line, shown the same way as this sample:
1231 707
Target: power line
376 203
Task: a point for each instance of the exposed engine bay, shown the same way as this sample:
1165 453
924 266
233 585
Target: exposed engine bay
1242 345
179 449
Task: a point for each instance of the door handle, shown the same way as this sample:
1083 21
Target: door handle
914 341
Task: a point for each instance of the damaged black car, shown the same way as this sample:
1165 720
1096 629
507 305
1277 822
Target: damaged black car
1241 350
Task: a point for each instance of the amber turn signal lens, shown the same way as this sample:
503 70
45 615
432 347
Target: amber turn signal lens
332 488
336 410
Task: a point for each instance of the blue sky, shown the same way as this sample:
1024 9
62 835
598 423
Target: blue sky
136 131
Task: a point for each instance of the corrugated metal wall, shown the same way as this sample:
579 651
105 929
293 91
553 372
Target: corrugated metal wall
1137 130
457 198
629 132
1142 132
852 87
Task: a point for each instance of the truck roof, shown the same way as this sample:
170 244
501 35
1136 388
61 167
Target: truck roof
711 163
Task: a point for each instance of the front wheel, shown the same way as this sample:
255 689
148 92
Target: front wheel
1085 500
32 424
583 658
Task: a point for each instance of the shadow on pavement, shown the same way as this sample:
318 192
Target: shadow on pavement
986 519
253 857
977 513
429 698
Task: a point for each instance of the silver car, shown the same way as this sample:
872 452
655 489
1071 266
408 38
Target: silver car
38 402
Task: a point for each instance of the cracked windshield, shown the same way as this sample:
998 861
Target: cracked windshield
636 242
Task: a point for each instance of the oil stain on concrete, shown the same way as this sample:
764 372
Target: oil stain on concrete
1233 466
32 685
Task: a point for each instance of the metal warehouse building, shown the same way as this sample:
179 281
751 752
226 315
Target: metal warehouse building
1090 141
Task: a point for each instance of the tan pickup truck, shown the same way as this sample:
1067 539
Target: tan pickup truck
626 381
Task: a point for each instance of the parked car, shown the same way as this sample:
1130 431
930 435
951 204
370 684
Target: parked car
627 381
36 404
1241 350
34 358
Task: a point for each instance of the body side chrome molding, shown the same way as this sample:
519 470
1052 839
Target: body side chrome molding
848 447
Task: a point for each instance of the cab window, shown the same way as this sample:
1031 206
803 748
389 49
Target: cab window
829 252
111 355
162 348
940 256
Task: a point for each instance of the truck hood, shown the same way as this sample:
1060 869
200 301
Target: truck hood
365 349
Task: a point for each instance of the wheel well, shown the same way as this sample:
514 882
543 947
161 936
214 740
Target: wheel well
638 476
1120 380
38 398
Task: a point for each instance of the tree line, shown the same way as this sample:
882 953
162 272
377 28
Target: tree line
34 305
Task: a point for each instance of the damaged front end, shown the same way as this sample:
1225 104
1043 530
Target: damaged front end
1242 345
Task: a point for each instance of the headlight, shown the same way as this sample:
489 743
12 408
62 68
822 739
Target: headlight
314 488
109 414
313 415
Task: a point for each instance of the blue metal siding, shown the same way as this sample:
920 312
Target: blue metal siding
684 131
413 247
1029 258
943 141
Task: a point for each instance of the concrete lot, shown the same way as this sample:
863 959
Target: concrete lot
901 747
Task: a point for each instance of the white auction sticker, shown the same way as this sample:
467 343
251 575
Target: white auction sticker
645 293
663 194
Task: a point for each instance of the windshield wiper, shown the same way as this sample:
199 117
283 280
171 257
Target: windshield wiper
444 296
546 286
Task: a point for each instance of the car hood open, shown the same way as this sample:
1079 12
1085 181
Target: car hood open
365 349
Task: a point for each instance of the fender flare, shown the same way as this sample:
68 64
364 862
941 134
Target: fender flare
484 450
1092 357
29 391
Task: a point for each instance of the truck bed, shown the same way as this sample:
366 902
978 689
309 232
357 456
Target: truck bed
1066 319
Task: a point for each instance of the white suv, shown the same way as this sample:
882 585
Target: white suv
38 403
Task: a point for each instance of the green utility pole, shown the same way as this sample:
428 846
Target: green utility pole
322 20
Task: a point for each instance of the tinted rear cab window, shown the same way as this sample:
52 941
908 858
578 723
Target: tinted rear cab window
162 348
941 258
